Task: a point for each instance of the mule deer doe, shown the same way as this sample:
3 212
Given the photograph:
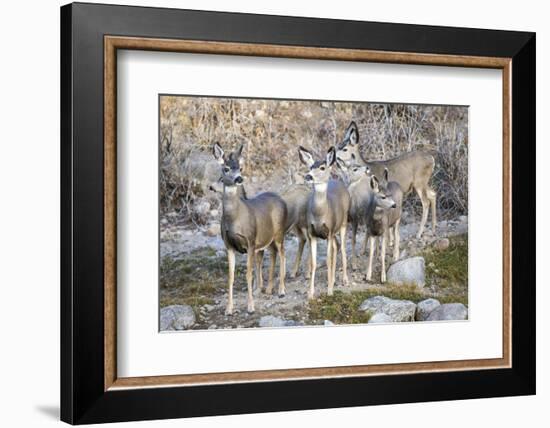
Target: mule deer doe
411 170
250 226
358 179
327 215
383 218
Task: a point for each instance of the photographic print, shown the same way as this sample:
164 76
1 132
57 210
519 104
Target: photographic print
291 213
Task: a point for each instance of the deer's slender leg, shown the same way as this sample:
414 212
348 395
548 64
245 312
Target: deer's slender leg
282 267
230 280
301 244
390 237
383 256
371 256
330 264
345 279
396 240
353 239
259 269
250 259
432 196
365 242
313 262
425 204
272 260
308 271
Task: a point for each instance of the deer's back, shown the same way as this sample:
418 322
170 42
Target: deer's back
412 169
296 199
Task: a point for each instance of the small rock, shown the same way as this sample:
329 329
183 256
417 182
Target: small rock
212 327
441 244
271 321
449 311
177 317
396 310
408 271
164 222
425 308
214 213
208 308
463 219
213 230
379 318
327 322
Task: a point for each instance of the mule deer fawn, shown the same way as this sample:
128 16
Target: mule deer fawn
412 171
383 219
358 179
327 215
250 226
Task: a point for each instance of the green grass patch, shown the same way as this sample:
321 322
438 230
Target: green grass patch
449 268
192 280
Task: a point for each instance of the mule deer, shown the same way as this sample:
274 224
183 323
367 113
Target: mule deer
250 226
411 170
327 215
358 179
383 219
296 199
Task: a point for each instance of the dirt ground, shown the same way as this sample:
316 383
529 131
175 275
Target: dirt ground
194 272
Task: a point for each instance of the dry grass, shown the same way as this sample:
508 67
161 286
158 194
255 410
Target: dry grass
271 130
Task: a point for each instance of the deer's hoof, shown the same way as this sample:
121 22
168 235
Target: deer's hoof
229 311
250 310
292 275
281 295
310 296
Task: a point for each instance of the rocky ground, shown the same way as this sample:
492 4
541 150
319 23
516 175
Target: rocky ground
429 282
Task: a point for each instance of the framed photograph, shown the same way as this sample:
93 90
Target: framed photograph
275 213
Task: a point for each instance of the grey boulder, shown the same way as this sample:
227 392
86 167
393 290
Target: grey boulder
379 318
408 271
449 311
425 308
396 310
177 317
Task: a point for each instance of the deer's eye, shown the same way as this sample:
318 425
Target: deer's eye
354 169
345 150
226 169
322 168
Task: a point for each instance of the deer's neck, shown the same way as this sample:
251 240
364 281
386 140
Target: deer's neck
231 200
320 204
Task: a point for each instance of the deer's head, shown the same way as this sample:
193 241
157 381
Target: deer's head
231 165
381 197
348 149
320 170
354 172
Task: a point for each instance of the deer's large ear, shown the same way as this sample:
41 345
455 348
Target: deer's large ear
352 134
239 153
331 156
306 157
386 174
374 183
218 153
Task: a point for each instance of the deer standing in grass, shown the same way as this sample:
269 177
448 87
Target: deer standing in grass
412 171
250 226
359 188
327 215
383 219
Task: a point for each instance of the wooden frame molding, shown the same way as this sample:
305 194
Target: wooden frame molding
113 43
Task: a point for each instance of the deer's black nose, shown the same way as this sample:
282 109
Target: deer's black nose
238 180
309 177
393 206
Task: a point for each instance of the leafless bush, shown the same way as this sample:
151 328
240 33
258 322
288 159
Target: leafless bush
271 130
